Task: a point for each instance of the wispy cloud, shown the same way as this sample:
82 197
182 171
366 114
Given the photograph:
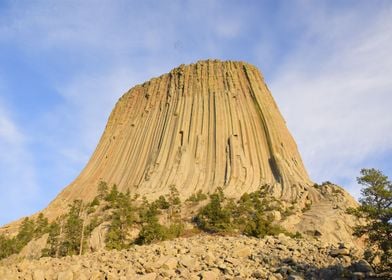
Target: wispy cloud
17 181
328 67
335 91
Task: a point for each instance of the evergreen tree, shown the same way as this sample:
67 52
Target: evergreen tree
73 230
122 218
53 243
41 225
25 234
7 247
112 195
151 230
102 190
376 208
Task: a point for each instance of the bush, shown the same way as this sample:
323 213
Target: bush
259 227
162 203
152 232
28 230
7 246
197 197
214 217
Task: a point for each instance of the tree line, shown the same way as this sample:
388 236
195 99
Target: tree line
217 214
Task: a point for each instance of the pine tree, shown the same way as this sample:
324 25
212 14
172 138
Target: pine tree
7 247
112 195
122 218
152 230
25 234
72 230
41 225
376 208
102 190
53 243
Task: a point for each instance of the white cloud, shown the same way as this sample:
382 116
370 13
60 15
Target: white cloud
228 27
335 92
331 79
8 131
18 186
90 100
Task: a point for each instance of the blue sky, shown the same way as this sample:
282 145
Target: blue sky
64 64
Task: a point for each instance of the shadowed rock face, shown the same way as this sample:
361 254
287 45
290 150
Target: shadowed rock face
202 126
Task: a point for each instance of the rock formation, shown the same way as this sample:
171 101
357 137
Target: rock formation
202 126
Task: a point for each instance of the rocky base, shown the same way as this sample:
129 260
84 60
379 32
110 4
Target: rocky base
203 257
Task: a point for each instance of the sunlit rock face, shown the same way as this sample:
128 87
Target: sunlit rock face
201 126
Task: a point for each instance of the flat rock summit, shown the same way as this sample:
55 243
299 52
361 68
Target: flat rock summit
201 126
208 126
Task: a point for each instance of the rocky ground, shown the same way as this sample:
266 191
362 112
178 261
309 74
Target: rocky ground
203 257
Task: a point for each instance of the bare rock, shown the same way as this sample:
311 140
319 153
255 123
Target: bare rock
65 275
170 263
362 266
33 250
38 275
340 252
210 275
97 237
243 252
148 276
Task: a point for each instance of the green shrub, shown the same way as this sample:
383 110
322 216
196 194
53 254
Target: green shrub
296 235
7 246
152 232
259 227
197 197
28 230
94 202
162 203
214 217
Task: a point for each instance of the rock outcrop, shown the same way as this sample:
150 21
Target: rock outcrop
202 126
199 127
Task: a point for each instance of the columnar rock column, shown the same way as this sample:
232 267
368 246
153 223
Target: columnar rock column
202 126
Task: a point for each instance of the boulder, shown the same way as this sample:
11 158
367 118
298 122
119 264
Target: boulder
38 275
362 266
65 275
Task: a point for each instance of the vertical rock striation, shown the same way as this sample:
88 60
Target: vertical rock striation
202 126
